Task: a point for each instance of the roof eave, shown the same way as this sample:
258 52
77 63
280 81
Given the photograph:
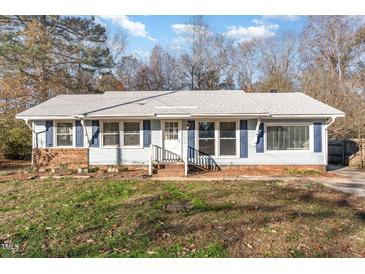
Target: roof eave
337 115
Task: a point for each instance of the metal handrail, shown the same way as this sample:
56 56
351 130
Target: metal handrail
202 160
160 154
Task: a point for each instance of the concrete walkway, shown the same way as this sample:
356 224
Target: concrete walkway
349 180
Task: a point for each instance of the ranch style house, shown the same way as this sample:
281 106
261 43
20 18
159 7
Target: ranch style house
190 130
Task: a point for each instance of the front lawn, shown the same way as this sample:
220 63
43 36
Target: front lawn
142 218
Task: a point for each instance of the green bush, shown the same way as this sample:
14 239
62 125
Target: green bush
17 143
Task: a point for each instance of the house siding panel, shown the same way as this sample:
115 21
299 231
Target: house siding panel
274 158
110 156
156 134
39 139
126 156
115 156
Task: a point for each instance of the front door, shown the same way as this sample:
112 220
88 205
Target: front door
171 136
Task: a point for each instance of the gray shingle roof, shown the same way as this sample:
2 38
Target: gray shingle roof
292 103
189 103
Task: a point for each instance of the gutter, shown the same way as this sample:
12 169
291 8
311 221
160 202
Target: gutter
332 120
306 115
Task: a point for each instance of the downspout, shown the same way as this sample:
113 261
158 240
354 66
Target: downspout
257 131
327 125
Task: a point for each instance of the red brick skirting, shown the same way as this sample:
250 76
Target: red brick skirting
60 157
257 170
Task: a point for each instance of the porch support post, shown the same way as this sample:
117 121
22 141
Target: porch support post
150 162
88 139
332 120
186 165
28 123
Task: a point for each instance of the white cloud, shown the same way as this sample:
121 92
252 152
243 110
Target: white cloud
241 33
184 34
133 27
290 18
182 28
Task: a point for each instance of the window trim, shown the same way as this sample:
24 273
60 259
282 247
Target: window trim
101 125
217 137
237 138
140 134
311 143
56 122
163 128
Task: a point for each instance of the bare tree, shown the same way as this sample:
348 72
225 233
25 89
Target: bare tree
203 65
163 70
332 56
245 64
277 63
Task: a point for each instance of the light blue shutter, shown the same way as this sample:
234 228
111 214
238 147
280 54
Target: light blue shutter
146 133
243 139
260 139
49 133
95 134
191 139
79 134
317 137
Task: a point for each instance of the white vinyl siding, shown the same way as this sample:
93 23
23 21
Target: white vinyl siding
140 155
39 139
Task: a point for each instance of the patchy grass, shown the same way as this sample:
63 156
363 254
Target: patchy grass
304 172
141 218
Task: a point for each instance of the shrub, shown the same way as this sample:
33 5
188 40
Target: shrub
17 143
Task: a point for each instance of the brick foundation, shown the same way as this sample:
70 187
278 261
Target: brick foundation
60 157
130 167
257 170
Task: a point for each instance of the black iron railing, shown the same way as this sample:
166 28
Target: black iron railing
202 160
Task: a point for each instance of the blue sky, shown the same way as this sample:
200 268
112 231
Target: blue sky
144 32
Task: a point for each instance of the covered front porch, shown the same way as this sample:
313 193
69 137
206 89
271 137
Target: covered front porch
176 150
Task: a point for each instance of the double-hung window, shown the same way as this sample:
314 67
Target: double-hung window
111 134
227 138
131 134
288 137
64 134
207 137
